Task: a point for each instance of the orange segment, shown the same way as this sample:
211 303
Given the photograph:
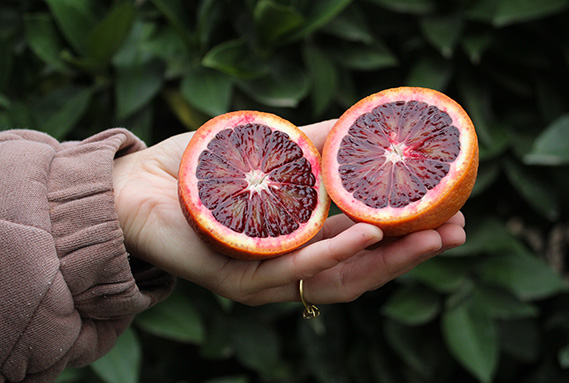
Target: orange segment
250 183
404 159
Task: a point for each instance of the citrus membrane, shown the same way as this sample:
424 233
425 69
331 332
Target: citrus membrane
250 183
404 159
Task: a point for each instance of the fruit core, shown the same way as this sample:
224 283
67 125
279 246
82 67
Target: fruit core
394 154
256 181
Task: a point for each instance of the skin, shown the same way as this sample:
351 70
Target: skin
342 262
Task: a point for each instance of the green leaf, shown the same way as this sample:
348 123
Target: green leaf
82 63
412 305
563 357
236 59
122 363
488 173
488 236
284 87
324 78
318 14
136 85
507 12
524 275
499 304
552 145
494 139
175 318
176 14
226 304
535 189
443 274
522 139
407 6
362 57
60 111
477 101
349 94
20 116
208 18
141 123
351 25
274 20
443 32
414 345
168 45
229 379
208 90
429 72
473 340
476 44
460 296
109 34
189 116
44 40
256 344
4 101
72 375
136 46
76 19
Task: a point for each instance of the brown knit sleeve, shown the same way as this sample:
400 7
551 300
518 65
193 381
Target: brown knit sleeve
67 286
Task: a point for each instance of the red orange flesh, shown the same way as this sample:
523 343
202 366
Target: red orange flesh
404 159
250 183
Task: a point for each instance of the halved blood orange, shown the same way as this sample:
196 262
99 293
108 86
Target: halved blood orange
251 184
404 159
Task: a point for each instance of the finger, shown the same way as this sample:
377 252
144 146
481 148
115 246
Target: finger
406 252
168 153
457 219
315 258
318 132
369 270
374 269
333 226
452 235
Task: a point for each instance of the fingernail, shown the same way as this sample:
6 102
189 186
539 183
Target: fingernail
375 234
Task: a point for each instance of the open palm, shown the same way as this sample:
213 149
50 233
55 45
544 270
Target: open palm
338 265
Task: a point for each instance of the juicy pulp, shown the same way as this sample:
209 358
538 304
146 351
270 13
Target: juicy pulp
256 181
397 152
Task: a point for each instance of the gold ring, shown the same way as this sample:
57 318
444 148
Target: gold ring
310 310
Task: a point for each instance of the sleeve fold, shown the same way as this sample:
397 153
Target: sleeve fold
68 286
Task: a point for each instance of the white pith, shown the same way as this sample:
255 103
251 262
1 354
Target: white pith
257 180
397 152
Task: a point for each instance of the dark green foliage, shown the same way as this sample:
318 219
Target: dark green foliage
493 310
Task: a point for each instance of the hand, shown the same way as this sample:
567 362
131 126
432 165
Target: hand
338 265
